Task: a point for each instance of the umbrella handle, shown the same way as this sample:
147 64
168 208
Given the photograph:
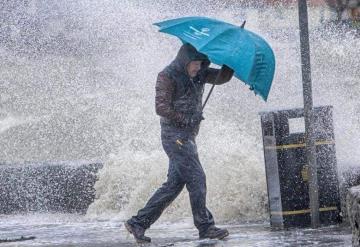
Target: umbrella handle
207 98
217 79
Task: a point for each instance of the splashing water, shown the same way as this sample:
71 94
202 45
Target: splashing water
86 80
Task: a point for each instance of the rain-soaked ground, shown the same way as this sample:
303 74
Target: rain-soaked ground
71 230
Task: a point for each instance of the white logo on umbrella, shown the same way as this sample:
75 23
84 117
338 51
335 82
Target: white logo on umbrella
195 33
202 31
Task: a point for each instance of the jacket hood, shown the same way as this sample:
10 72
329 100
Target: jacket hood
186 54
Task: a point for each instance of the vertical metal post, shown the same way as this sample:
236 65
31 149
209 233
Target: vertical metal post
308 113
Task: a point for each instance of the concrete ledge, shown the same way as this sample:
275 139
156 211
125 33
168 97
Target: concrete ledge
47 187
353 209
349 178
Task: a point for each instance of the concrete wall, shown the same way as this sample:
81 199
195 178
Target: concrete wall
47 187
348 178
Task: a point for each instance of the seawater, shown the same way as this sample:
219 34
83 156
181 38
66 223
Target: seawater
80 85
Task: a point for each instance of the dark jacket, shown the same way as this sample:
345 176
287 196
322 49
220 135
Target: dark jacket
178 95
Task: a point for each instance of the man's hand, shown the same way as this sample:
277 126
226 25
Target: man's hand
226 72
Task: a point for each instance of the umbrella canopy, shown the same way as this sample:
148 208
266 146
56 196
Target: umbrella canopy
246 53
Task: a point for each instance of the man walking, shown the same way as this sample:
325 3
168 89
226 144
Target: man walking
178 101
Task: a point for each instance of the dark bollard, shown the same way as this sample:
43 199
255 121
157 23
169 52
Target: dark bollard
287 170
66 187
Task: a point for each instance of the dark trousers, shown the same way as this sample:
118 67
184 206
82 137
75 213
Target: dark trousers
184 169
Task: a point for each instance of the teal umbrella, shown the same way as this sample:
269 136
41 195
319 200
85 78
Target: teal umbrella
249 55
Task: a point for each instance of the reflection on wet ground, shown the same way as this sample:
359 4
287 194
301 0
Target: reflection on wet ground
70 230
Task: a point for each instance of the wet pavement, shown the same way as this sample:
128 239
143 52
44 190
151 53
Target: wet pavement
72 230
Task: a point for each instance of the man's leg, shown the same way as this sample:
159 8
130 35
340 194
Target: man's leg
162 197
196 185
159 201
195 179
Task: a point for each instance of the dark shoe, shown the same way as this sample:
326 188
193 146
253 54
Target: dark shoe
214 232
138 233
